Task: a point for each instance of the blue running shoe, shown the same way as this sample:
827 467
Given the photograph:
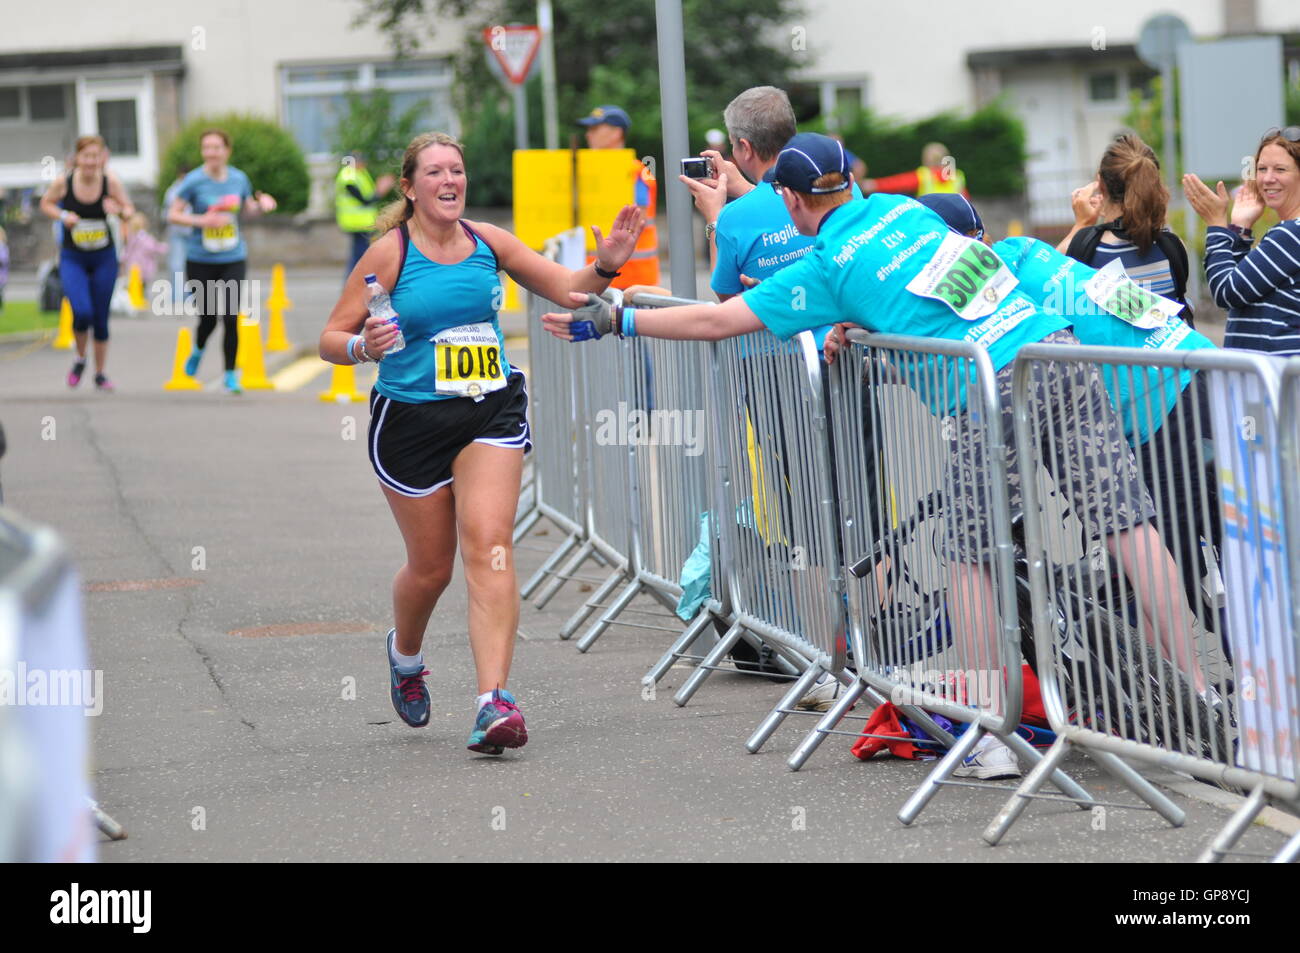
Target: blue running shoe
409 693
192 362
500 725
232 382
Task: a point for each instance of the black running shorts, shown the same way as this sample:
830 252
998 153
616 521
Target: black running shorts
412 446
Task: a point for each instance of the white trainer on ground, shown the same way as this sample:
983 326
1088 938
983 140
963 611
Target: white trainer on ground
822 695
990 759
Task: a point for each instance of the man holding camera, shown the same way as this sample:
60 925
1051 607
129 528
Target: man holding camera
607 128
753 235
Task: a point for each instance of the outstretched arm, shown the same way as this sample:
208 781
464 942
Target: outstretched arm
692 322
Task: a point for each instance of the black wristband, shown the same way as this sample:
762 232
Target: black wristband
607 275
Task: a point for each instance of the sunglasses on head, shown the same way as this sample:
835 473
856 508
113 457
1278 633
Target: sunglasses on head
1290 133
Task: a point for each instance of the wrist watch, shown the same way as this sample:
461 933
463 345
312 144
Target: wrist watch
709 229
1240 231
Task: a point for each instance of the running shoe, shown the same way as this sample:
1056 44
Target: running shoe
500 725
232 382
821 697
103 383
990 759
192 362
409 693
74 375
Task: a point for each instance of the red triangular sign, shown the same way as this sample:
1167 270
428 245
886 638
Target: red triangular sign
515 48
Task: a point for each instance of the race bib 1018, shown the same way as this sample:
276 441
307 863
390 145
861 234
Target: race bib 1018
469 361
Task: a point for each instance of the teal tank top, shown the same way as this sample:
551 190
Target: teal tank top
429 299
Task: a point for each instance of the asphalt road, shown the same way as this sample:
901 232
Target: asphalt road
245 684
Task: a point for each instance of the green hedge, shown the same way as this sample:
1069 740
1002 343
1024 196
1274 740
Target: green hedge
267 154
989 145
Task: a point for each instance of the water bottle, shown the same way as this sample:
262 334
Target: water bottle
379 305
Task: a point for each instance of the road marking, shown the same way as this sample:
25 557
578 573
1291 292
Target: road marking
300 373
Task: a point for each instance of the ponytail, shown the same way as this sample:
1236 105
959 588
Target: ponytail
1130 174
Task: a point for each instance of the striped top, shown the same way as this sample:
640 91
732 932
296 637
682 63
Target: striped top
1151 271
1260 289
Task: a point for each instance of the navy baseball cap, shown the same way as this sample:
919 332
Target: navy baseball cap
956 211
609 115
805 159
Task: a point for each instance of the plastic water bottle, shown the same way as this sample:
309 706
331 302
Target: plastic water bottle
379 305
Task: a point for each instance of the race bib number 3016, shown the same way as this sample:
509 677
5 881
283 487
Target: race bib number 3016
1112 290
966 276
468 361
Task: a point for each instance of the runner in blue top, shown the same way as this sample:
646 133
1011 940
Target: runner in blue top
889 264
448 426
210 200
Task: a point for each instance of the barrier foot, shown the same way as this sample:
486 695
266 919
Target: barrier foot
629 593
705 668
565 573
1018 801
525 524
814 738
679 648
1290 853
1140 786
1237 825
107 826
1028 755
589 606
942 771
537 578
768 725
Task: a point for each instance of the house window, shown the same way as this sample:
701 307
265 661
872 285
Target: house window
47 103
11 102
116 120
1103 87
315 97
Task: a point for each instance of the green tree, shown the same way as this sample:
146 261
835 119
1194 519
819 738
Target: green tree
606 52
266 153
370 129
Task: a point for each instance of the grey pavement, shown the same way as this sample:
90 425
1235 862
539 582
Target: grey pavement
267 553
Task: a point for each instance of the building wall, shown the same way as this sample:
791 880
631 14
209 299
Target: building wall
915 54
232 49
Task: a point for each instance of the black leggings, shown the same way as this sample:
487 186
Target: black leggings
217 296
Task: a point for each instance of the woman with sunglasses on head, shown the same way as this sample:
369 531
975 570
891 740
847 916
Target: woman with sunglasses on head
1260 288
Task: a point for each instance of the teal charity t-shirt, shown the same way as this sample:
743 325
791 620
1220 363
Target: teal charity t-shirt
1057 283
891 265
223 244
756 238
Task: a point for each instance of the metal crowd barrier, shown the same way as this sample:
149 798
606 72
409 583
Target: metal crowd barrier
933 605
45 807
1132 648
775 514
553 403
661 422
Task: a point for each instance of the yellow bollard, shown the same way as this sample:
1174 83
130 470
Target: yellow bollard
64 340
135 289
180 380
249 360
343 385
276 340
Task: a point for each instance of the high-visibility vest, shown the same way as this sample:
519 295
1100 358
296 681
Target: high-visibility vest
929 181
354 216
643 267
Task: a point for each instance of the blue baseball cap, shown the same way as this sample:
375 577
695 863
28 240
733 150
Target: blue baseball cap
609 115
805 159
956 212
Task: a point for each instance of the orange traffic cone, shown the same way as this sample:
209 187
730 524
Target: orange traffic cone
180 380
250 360
343 385
276 305
64 340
